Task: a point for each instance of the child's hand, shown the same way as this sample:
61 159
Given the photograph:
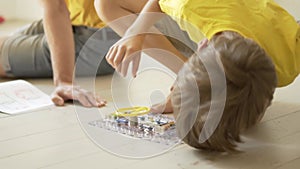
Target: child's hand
125 51
165 107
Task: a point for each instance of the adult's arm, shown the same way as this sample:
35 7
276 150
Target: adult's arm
58 30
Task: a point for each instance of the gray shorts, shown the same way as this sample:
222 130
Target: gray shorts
27 54
179 38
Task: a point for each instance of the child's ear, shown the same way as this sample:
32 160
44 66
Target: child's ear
202 44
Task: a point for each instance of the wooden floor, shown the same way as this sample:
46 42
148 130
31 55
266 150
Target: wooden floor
52 138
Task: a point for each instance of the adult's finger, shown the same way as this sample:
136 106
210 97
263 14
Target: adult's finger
82 98
57 99
96 101
101 102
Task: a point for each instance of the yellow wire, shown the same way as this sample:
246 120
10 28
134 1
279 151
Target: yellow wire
132 111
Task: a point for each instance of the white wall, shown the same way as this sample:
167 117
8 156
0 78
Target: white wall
20 9
7 8
28 9
292 6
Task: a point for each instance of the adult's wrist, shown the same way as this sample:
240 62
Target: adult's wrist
61 82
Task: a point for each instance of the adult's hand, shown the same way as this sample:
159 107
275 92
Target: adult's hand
125 51
65 92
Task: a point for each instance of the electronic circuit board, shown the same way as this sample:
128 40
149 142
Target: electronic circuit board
151 126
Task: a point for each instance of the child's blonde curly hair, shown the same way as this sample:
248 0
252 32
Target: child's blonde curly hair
250 84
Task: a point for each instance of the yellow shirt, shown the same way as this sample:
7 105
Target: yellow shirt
264 21
82 12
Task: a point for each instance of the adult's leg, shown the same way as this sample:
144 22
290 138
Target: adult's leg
35 28
26 53
91 46
2 71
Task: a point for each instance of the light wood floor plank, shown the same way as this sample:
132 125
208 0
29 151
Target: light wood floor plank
50 155
37 122
40 140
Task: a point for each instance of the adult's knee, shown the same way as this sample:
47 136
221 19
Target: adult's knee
2 71
2 40
104 9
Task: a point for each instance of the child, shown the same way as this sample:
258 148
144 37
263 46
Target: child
257 44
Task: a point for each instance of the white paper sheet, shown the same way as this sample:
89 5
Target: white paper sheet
20 96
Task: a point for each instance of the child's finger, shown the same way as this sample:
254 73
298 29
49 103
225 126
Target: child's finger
157 108
135 65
